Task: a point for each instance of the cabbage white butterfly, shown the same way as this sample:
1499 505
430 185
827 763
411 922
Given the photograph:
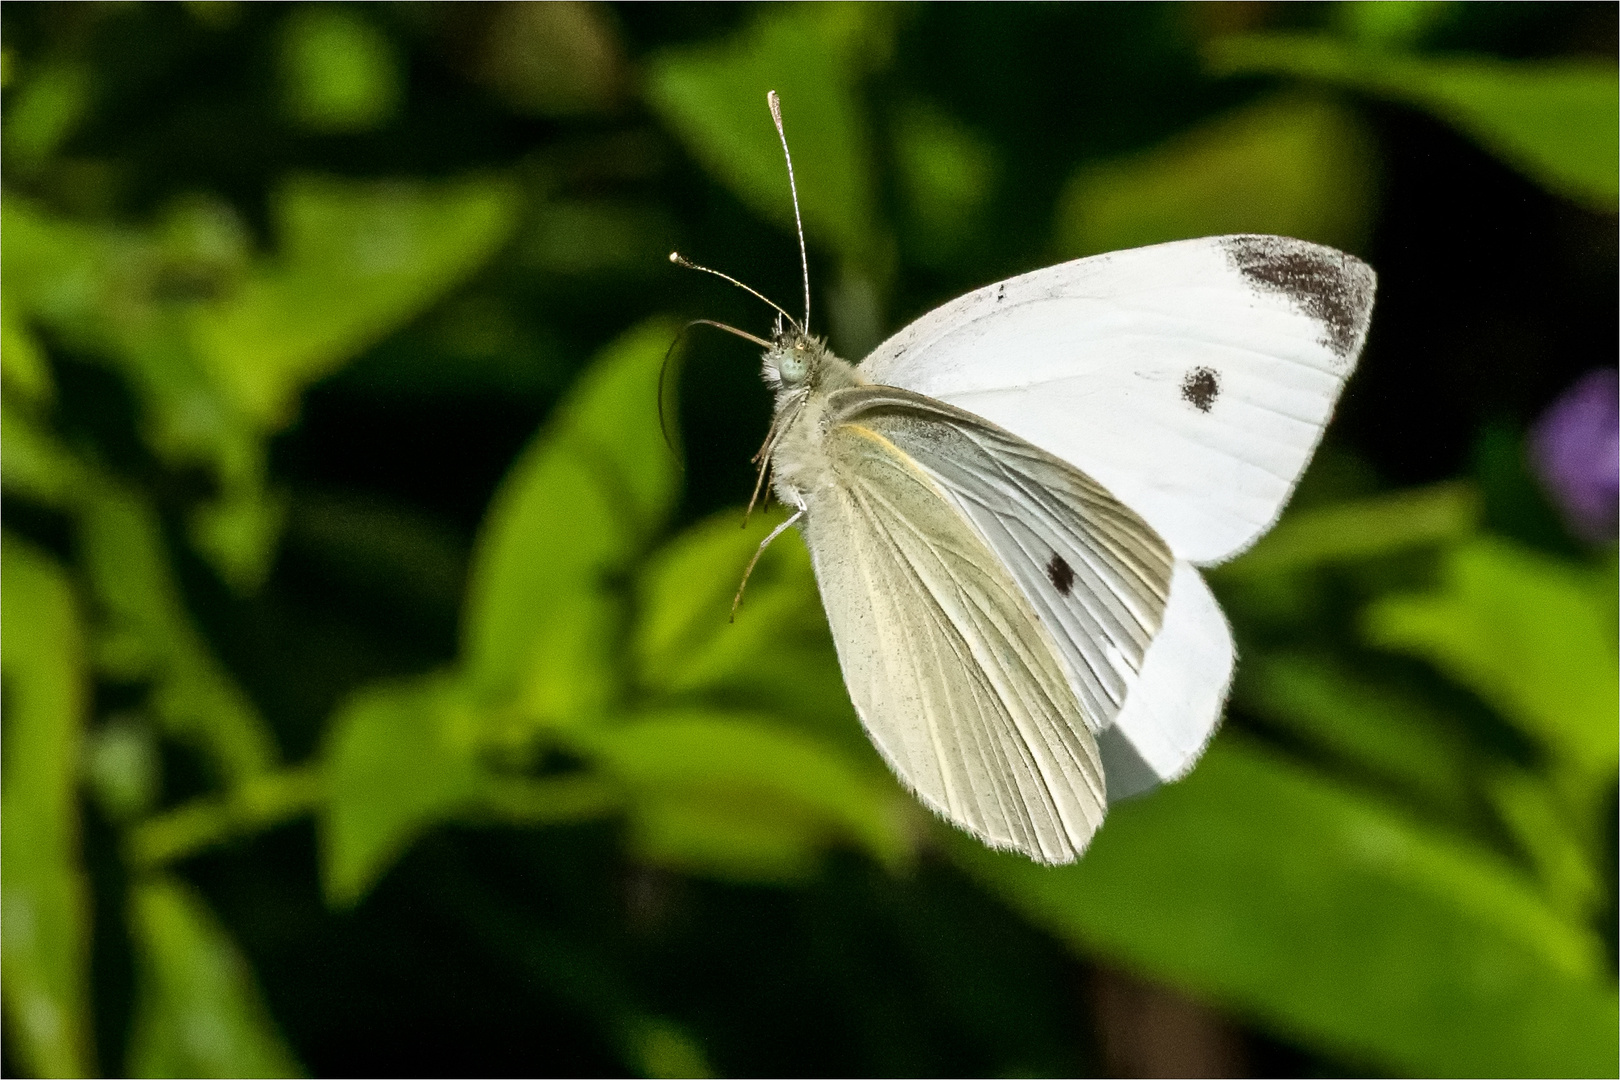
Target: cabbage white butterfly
1007 501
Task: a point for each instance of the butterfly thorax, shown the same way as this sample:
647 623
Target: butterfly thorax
803 373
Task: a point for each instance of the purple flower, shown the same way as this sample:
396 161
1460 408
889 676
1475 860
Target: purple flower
1575 450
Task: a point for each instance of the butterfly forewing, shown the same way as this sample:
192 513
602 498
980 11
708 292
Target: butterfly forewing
1192 379
954 675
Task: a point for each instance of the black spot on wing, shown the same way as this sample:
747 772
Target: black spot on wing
1061 573
1331 287
1200 388
1001 292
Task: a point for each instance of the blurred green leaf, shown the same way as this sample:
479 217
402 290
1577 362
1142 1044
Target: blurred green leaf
148 634
776 656
1291 166
588 496
1529 635
662 1048
107 292
1556 120
122 767
948 174
22 362
45 924
1362 529
198 1011
338 71
1530 809
43 112
1393 23
741 797
1276 892
814 56
354 261
34 464
1378 727
398 759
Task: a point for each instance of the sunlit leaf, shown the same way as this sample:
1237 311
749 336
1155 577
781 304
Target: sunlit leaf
776 655
45 921
1556 120
813 55
198 1010
742 797
398 759
1291 899
586 498
1529 636
353 261
150 635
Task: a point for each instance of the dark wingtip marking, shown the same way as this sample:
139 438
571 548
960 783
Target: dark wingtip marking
1200 388
1061 573
1331 287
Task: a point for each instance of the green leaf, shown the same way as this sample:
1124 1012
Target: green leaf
777 654
1529 635
1530 809
814 55
741 797
1328 918
354 262
149 634
1377 727
398 760
1364 529
43 112
338 71
22 361
45 924
34 464
1558 121
578 508
198 1011
1290 166
948 174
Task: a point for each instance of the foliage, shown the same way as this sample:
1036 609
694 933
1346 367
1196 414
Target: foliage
287 686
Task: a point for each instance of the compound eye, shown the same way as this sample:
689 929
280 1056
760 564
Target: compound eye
792 367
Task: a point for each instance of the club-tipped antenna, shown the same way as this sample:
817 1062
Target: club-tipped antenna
793 186
681 260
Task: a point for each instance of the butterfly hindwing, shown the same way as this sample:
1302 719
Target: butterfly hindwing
1146 649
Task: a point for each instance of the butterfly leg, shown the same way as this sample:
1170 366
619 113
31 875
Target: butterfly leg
763 544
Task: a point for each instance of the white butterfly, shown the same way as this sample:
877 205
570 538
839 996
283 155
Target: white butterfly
1006 504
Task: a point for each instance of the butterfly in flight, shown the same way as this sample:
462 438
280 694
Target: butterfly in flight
1007 502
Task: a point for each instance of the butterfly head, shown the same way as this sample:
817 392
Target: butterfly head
793 359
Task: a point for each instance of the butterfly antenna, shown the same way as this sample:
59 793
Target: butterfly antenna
681 260
669 353
793 186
